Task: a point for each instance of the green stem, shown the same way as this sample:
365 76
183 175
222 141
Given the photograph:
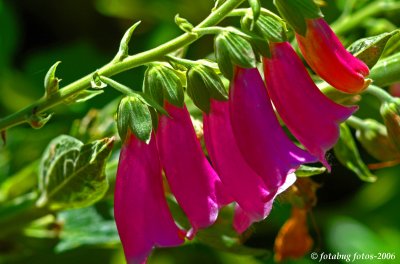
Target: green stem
344 25
378 92
110 69
356 123
386 71
244 11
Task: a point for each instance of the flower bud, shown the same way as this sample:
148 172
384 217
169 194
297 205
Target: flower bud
374 138
326 55
390 112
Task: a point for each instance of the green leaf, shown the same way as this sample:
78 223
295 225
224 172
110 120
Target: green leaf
295 12
37 121
369 49
85 227
347 153
135 115
51 82
341 228
72 174
307 171
123 51
183 24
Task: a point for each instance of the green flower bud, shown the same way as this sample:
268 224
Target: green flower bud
390 112
374 138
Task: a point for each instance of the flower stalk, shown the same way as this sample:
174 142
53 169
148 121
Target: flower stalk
113 68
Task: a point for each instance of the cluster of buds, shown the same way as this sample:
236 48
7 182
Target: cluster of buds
252 159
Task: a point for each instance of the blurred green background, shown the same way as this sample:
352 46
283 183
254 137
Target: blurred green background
351 216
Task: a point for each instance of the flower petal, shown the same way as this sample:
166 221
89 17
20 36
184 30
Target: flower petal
193 181
260 138
311 116
141 211
326 55
240 181
243 220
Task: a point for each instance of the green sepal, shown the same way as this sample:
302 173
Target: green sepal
183 24
295 12
162 82
223 57
37 121
72 174
134 114
197 91
152 86
123 51
347 153
232 49
390 112
370 49
154 118
374 138
203 83
308 171
211 81
267 27
51 82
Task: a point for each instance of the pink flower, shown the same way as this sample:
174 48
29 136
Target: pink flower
141 211
246 187
326 55
311 117
259 136
195 184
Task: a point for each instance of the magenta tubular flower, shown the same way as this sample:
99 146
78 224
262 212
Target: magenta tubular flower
141 211
259 136
241 182
326 55
193 181
311 117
